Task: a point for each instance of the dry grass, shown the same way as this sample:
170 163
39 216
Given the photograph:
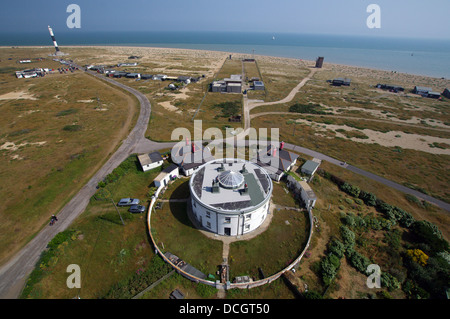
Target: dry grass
38 179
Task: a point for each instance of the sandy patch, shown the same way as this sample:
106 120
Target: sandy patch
11 146
16 157
182 95
85 101
17 95
169 107
389 139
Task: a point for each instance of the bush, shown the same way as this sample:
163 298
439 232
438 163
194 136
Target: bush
348 237
430 235
358 261
389 281
350 220
368 198
72 128
417 256
229 108
307 109
349 201
47 259
329 266
350 189
337 248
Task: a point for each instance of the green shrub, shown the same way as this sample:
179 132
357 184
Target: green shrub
389 281
229 109
329 266
307 109
48 258
349 201
430 235
368 198
348 237
350 220
358 261
337 248
350 189
72 128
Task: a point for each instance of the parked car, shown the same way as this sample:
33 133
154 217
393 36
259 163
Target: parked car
136 209
128 202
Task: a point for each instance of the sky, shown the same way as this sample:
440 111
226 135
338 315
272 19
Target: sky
399 18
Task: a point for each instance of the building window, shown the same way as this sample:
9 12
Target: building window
247 227
208 214
227 220
208 224
248 217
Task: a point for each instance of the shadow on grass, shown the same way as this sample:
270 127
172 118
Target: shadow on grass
179 211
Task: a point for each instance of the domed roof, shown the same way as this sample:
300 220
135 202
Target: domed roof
231 179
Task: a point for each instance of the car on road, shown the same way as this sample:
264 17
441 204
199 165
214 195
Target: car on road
128 202
136 209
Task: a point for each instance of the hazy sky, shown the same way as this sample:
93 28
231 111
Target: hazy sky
399 18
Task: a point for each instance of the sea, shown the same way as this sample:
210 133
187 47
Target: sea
430 57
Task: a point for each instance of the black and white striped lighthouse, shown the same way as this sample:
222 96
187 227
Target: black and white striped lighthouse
53 38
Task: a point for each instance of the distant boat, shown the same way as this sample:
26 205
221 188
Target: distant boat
412 54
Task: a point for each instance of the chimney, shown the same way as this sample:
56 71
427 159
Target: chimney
281 145
187 141
193 147
274 152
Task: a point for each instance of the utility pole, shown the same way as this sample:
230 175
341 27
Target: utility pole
118 211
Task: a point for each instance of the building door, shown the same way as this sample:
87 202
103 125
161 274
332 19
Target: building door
227 231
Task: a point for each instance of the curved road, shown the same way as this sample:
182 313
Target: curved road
14 273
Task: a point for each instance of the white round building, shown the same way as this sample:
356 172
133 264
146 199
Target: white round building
230 196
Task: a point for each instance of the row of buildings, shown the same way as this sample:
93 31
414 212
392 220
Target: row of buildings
420 90
108 71
426 92
234 84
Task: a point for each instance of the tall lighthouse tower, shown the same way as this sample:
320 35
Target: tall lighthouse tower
57 52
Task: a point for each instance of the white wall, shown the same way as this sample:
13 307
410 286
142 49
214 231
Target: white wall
237 223
151 166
